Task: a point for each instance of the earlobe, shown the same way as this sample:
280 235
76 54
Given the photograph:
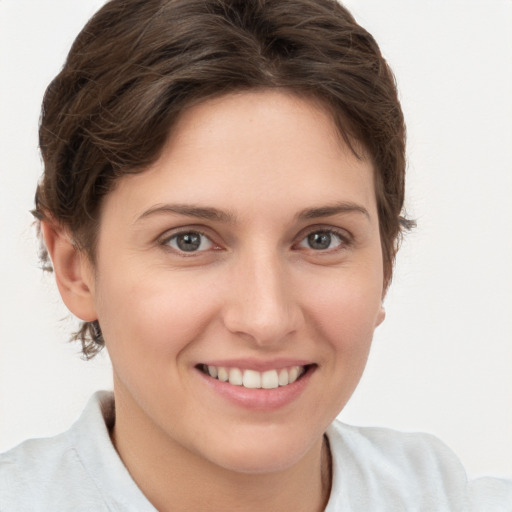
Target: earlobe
381 315
72 271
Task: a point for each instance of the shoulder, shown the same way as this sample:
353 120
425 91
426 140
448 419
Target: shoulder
407 471
34 474
55 473
404 451
77 470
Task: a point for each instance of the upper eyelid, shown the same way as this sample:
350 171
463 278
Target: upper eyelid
170 233
347 239
165 239
341 232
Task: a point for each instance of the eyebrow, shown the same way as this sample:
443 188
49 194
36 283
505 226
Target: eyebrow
190 210
332 209
214 214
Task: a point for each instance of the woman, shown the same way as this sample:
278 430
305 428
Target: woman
221 204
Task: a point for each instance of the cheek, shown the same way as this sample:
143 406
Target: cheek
153 315
340 296
346 312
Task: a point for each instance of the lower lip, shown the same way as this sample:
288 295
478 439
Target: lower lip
259 399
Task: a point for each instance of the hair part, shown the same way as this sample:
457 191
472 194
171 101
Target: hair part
138 64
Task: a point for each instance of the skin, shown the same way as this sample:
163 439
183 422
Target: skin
256 289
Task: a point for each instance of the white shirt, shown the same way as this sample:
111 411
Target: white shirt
374 470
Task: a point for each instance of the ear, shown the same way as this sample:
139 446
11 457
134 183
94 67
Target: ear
73 271
381 315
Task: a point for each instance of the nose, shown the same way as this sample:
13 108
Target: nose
262 304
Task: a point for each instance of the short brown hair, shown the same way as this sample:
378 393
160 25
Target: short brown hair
138 64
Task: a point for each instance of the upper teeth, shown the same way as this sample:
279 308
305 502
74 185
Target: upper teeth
269 379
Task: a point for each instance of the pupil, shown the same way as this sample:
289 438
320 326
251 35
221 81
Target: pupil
319 240
189 242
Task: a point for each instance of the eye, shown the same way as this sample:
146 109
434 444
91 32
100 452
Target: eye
322 240
189 241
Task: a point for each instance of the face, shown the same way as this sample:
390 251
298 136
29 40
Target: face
238 282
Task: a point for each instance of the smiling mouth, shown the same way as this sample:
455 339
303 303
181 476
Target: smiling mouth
253 379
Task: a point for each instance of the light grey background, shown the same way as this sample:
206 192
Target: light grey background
442 360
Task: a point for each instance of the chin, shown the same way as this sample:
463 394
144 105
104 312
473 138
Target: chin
263 455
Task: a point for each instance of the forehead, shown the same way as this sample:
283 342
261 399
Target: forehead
246 118
275 146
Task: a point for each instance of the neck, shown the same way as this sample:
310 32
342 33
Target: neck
173 478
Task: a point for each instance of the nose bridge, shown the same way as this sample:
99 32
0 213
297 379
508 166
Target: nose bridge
262 304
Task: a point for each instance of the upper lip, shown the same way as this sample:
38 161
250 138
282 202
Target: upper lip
258 364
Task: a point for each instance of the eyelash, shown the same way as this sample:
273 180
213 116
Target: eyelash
342 236
166 242
344 240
